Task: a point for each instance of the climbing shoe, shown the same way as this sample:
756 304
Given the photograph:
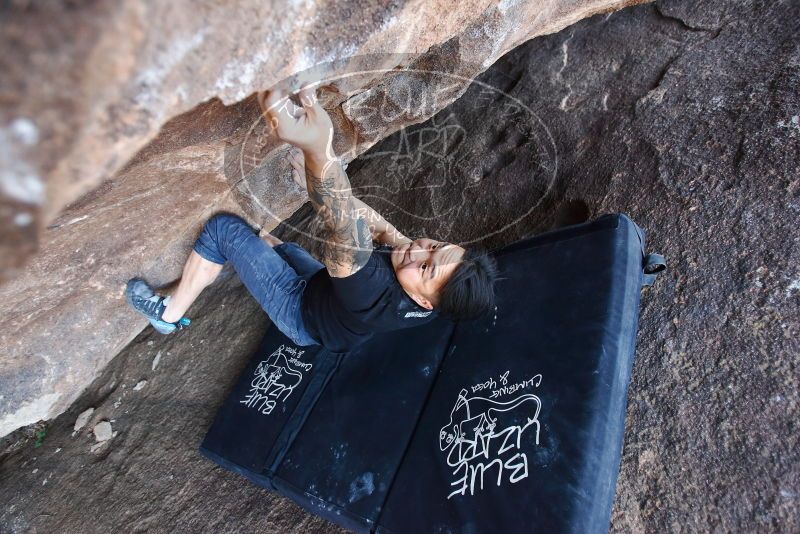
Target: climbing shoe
142 299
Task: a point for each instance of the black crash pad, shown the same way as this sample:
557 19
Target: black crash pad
510 423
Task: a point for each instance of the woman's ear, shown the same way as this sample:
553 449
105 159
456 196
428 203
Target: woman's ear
422 301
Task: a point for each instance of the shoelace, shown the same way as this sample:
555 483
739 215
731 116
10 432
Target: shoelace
151 305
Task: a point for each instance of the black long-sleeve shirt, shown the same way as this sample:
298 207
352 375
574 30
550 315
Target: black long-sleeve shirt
341 313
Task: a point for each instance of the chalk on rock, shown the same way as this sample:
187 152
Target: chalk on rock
141 384
102 431
82 419
156 360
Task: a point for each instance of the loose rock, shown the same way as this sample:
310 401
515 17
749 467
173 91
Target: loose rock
102 431
82 419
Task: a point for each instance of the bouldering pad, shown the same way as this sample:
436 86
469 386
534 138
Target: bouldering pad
513 422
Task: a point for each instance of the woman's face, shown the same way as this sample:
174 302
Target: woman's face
423 266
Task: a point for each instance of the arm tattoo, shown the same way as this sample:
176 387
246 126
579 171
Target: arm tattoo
347 239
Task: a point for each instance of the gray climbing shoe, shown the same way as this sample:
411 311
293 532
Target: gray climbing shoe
143 299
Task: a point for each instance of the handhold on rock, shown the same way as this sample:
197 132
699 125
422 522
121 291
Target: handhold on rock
82 419
102 431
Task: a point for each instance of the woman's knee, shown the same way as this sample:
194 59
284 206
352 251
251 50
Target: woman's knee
222 234
222 221
223 225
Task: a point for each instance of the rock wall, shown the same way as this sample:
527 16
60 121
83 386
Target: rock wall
88 84
86 87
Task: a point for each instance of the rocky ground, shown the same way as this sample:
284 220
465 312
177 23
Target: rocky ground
683 115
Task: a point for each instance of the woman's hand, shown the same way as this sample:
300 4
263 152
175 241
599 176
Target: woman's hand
308 127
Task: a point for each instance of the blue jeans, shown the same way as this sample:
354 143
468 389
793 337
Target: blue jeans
276 277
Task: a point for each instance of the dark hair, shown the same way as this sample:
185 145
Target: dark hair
469 293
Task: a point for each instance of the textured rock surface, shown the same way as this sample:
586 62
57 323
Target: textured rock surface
65 317
123 69
683 117
88 84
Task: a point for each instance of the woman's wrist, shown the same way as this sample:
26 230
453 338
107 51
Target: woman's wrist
316 160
